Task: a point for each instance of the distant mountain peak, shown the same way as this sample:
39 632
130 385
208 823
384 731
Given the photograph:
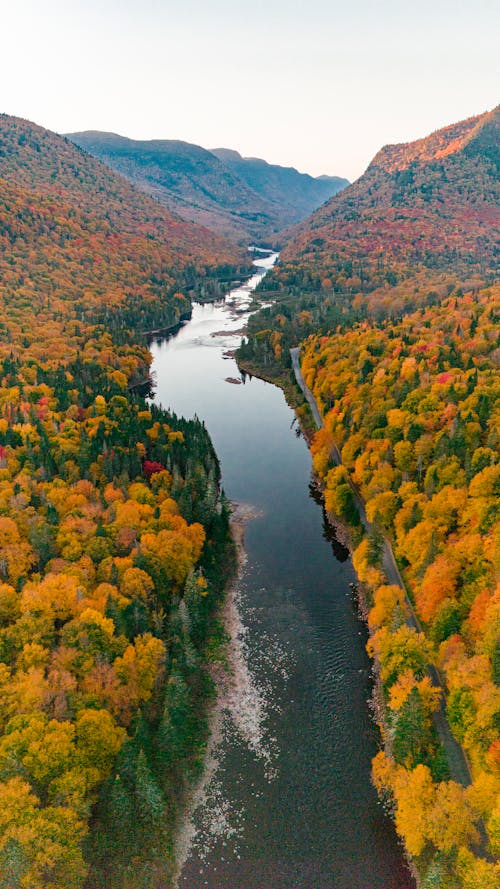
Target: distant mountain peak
228 153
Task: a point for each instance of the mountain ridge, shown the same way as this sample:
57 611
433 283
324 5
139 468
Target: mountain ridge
36 158
274 180
219 192
444 142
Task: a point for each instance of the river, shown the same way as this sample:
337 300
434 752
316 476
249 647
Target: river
288 802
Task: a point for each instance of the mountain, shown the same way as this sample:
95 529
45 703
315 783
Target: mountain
297 193
391 291
73 229
426 210
242 200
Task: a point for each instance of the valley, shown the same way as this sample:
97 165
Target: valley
243 199
334 722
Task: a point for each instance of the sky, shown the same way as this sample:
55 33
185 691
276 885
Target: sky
320 85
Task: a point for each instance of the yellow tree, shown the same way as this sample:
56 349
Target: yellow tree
414 793
16 555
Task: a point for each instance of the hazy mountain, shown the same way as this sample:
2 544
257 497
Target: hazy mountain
297 193
244 200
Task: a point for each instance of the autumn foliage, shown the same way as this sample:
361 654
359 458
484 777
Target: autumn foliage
110 522
423 215
418 432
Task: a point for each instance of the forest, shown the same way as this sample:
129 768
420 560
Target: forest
114 533
415 414
391 290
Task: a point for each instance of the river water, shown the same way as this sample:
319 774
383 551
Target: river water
288 802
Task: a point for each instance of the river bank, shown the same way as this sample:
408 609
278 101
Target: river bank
458 765
232 682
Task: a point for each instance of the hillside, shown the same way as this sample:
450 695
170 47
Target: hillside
113 539
298 194
242 200
94 240
427 210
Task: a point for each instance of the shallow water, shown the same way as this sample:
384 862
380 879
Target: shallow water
288 802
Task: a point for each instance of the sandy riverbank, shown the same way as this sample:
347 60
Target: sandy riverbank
237 699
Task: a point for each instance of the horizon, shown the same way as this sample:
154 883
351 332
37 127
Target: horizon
68 134
318 88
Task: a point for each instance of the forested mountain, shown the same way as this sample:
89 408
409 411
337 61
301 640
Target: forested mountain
69 203
423 212
298 194
392 292
113 536
243 199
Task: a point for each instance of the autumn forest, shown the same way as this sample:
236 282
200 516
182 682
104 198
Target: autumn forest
115 533
114 541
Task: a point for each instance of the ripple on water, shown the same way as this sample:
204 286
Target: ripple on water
240 722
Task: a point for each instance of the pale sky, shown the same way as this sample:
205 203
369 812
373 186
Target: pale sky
319 85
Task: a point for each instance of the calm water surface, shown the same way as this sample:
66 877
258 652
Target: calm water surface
288 804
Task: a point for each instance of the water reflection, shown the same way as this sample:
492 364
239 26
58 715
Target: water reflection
330 533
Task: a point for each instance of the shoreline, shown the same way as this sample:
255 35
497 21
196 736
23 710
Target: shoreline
362 592
231 681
